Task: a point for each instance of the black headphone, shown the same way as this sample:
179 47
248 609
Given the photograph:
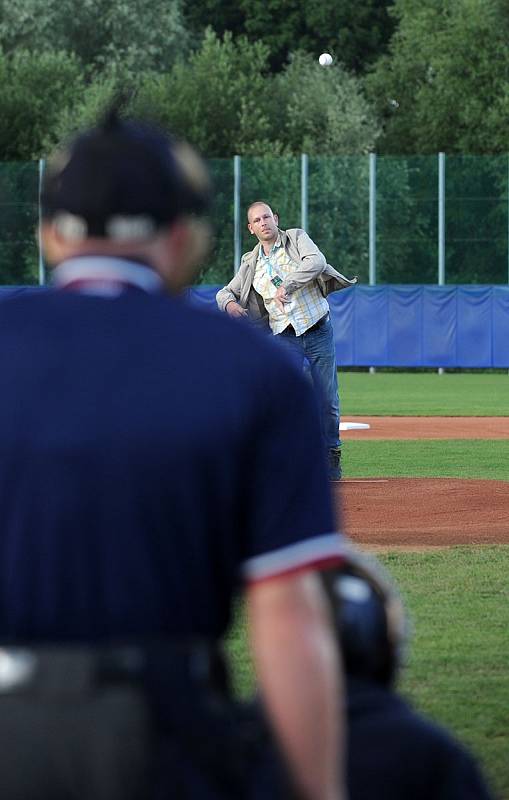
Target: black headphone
369 618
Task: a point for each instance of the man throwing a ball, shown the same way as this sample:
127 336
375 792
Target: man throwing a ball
284 282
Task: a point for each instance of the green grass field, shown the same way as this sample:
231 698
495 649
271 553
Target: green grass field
457 598
428 458
424 394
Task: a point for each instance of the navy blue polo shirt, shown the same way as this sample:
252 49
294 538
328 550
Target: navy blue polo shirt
153 456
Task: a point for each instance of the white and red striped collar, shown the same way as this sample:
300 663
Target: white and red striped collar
105 276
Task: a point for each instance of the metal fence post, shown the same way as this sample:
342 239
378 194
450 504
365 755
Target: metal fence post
372 219
372 224
304 173
237 234
42 269
441 219
441 226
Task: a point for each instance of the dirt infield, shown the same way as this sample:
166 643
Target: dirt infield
429 428
415 513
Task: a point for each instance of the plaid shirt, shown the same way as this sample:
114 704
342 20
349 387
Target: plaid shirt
307 304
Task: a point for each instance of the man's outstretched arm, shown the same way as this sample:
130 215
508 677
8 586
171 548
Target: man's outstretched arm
299 675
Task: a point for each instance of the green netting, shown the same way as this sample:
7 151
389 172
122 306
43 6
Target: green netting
476 215
338 211
406 219
275 180
19 190
219 266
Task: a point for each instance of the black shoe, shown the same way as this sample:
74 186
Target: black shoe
335 471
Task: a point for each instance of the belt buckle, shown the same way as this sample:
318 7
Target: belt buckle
17 668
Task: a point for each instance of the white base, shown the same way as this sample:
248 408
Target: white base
353 426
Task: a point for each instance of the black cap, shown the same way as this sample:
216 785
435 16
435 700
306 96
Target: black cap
123 180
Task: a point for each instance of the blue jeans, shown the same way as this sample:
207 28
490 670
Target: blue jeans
315 353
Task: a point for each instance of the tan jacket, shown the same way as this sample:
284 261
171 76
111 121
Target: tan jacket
312 265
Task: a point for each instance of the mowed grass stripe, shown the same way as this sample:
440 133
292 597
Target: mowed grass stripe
424 394
427 458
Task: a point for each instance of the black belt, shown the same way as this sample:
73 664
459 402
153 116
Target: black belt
290 330
65 668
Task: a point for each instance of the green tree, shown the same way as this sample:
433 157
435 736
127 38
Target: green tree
220 15
355 32
88 106
215 100
444 85
322 111
34 89
126 35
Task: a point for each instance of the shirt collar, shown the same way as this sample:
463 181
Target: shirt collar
105 276
277 243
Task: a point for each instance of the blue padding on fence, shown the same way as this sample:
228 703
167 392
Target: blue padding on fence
405 326
473 340
500 326
438 327
203 296
415 326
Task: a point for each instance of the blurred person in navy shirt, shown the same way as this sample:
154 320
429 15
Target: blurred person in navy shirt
394 753
151 462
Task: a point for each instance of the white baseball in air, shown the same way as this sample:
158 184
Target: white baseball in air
325 60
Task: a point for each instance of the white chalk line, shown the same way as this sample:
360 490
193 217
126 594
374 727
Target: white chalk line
360 480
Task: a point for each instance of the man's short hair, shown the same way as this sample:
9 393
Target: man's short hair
260 203
122 180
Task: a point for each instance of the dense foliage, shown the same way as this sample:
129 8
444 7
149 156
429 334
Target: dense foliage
444 85
410 76
123 35
356 33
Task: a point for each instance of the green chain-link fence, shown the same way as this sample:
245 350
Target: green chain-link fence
19 252
401 242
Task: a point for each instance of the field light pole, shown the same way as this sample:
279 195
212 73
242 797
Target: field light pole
441 226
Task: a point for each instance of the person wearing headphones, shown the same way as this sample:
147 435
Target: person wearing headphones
394 752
